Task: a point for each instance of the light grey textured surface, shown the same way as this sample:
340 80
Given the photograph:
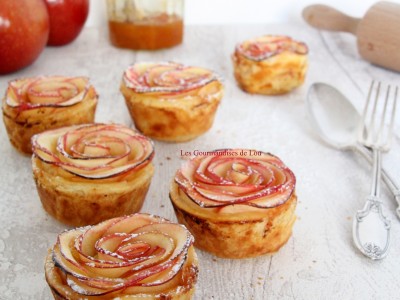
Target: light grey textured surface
318 262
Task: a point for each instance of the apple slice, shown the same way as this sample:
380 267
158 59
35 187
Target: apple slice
93 286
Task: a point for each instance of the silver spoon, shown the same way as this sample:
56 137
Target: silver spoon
336 121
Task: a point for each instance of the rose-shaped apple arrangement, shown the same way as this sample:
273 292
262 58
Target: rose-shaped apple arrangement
89 173
33 105
138 257
236 202
166 77
169 101
261 48
219 181
94 151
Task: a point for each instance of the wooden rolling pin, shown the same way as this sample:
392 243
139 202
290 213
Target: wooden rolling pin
378 32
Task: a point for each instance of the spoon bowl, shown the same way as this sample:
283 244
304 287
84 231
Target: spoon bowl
333 116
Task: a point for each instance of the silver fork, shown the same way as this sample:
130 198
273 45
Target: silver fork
371 228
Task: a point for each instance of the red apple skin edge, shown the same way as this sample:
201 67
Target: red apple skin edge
67 18
24 30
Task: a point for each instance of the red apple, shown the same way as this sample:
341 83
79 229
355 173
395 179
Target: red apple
67 18
24 30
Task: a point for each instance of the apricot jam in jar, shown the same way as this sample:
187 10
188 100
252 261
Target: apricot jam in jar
145 24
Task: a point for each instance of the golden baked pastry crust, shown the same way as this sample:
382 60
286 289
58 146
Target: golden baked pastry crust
78 199
237 237
259 222
174 113
61 273
26 114
270 65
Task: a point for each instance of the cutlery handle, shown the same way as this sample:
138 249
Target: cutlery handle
327 18
391 184
371 229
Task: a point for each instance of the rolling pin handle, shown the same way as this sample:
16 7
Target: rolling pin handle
327 18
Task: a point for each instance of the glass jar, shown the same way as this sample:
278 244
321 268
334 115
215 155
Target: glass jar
145 24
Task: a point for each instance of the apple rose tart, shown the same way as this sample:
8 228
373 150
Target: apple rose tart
270 64
138 256
85 174
237 203
171 102
33 105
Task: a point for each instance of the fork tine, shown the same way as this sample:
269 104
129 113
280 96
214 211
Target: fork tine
380 136
367 120
376 128
393 116
373 137
363 131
